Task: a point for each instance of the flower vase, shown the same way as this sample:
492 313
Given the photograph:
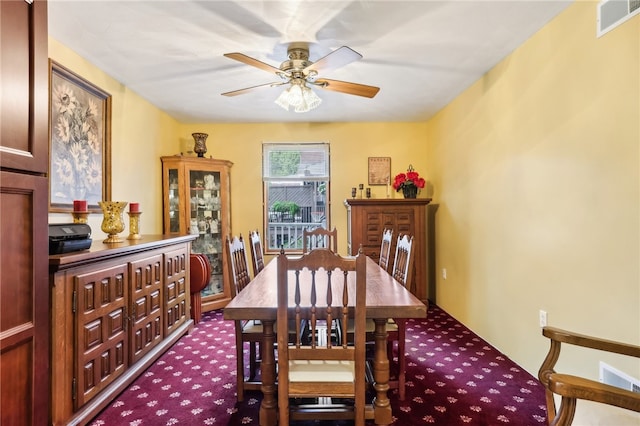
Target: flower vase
200 146
410 191
113 222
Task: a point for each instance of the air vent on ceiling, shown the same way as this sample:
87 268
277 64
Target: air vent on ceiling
612 13
614 377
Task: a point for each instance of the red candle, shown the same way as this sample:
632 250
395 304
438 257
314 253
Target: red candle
134 207
79 205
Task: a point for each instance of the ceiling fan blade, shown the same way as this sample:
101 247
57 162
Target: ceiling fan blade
250 89
338 58
241 57
348 88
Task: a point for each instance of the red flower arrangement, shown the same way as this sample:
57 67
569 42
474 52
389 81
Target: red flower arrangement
407 180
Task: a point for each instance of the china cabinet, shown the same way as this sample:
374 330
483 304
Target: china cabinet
196 201
367 218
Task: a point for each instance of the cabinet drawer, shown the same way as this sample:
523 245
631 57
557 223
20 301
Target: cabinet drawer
404 222
388 220
372 217
373 238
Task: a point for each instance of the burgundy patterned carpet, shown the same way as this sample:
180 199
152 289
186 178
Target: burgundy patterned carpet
453 378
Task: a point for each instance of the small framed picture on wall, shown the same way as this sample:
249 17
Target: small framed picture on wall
379 170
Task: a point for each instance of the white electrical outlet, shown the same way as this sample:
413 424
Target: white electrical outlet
543 318
444 273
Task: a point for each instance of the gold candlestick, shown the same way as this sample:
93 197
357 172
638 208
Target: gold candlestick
80 217
134 226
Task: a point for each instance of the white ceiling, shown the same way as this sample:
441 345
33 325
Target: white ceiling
421 54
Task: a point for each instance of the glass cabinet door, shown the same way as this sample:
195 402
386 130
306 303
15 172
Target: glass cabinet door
204 221
174 201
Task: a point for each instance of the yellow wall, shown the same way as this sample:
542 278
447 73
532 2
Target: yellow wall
537 170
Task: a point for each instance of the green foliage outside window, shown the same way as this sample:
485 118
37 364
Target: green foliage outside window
284 163
286 207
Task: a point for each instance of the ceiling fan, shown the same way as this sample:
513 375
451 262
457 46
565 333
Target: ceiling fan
298 72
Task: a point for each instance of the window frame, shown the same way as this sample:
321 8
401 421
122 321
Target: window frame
316 180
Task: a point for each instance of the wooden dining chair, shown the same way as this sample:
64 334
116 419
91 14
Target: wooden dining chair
385 249
246 331
319 238
396 328
322 368
257 254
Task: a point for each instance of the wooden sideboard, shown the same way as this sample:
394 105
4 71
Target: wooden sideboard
115 309
367 218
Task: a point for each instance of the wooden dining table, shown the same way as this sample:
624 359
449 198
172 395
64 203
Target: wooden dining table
386 298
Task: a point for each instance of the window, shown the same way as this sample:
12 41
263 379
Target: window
296 192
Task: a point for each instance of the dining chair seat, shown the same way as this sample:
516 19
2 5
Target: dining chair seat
252 326
320 370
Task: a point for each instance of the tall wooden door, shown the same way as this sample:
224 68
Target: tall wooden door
24 286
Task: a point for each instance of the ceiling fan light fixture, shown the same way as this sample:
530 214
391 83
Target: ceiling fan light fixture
298 96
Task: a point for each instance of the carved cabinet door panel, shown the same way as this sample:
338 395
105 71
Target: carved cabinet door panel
147 328
101 299
176 291
24 300
24 84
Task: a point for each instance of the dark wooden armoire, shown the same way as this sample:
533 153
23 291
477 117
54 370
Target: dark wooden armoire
366 220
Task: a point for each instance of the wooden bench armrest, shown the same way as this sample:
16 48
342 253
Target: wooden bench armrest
578 387
572 388
564 336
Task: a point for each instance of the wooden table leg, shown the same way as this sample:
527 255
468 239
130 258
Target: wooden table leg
381 404
269 405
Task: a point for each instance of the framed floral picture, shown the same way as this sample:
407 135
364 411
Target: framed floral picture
80 141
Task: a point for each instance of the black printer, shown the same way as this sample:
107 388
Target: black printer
69 237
